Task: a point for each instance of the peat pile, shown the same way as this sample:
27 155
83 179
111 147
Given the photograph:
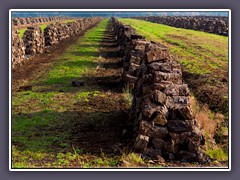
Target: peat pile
216 25
51 35
33 39
17 22
63 31
18 49
54 34
164 125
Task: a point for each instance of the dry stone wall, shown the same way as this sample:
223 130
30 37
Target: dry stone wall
164 124
35 41
18 49
216 25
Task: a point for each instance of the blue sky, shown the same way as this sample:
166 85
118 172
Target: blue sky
116 13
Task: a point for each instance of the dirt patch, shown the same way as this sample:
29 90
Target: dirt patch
209 90
176 37
100 132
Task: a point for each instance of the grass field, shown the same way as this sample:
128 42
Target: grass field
199 52
204 58
56 125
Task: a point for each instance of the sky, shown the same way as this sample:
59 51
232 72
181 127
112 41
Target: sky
114 13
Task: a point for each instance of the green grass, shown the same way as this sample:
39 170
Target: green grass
218 154
40 119
47 119
199 52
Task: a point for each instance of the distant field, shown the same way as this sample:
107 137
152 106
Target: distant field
204 58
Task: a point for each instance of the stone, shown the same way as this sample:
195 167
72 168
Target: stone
186 112
152 131
170 103
140 45
181 112
130 79
133 69
193 146
175 78
161 116
179 126
159 97
156 52
151 152
183 90
159 76
135 59
160 159
177 101
187 156
160 119
177 138
158 143
143 72
148 109
171 147
158 66
141 142
171 90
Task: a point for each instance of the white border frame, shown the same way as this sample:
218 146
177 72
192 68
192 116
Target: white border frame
122 169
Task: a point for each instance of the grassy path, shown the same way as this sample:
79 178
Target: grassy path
58 125
204 58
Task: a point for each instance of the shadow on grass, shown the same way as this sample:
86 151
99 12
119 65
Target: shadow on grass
112 45
80 64
55 132
104 83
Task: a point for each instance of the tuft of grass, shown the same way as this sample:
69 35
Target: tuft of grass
132 160
209 122
218 154
127 93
